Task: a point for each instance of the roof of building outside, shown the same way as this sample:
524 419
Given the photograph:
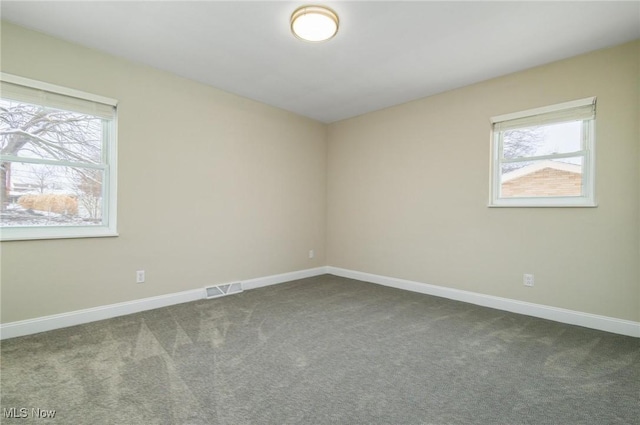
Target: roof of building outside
541 165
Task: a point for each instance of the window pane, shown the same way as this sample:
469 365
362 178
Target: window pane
37 132
549 139
549 178
50 195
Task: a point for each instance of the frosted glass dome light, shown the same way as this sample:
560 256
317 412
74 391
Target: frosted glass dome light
314 23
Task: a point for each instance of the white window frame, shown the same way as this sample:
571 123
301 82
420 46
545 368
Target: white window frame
108 227
582 109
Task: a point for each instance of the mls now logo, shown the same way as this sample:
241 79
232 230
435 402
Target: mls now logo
23 412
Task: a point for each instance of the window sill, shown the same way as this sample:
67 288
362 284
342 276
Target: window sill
539 205
22 234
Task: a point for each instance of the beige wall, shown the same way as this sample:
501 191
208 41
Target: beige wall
212 188
408 191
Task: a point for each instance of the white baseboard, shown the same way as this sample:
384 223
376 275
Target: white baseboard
281 278
78 317
72 318
593 321
57 321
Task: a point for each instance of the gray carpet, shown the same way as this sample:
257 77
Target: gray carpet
324 350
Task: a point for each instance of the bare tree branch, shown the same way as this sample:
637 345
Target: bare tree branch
48 134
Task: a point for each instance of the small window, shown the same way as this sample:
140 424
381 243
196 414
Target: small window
544 157
57 161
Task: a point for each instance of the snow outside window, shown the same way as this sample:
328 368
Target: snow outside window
57 161
544 157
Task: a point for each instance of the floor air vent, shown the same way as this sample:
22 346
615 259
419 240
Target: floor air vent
223 289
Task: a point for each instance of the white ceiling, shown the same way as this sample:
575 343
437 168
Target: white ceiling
385 53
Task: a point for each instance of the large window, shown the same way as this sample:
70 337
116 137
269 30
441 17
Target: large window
544 157
57 161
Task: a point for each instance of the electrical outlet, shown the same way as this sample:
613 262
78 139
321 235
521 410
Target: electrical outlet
527 279
311 253
140 276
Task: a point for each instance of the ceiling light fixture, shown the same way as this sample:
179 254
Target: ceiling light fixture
314 23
